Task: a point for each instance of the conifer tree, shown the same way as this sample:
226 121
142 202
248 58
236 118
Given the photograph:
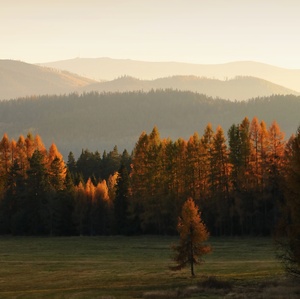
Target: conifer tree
235 154
56 168
289 229
121 201
220 181
102 209
126 160
37 194
112 162
13 149
180 147
65 222
240 152
275 168
192 233
263 151
207 142
206 201
29 143
5 160
39 145
12 205
152 218
80 209
21 153
193 166
139 180
255 154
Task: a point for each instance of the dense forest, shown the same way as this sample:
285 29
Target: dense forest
101 121
239 180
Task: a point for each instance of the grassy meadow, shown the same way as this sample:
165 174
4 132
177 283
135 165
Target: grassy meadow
135 267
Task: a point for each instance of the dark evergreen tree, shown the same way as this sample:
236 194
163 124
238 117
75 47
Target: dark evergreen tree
220 183
56 173
289 229
12 205
235 154
85 164
37 192
65 224
121 202
72 165
126 160
5 162
111 163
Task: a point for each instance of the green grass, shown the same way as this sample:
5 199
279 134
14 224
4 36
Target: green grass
122 267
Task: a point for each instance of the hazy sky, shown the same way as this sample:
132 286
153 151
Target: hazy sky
198 31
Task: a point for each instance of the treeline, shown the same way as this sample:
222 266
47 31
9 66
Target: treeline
237 185
239 182
40 195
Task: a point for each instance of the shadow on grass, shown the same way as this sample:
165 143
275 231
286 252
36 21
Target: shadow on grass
207 285
213 287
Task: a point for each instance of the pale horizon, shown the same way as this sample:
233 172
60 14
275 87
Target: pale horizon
163 61
199 32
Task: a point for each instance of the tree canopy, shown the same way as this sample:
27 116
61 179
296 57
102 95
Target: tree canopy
243 183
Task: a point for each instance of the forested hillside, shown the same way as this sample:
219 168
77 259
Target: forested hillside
238 88
101 121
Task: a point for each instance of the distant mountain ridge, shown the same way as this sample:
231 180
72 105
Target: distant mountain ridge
20 79
239 88
109 69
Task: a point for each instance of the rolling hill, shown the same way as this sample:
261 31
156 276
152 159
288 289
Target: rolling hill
20 79
239 88
109 69
100 121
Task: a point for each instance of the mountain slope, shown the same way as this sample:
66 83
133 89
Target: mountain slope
19 79
109 69
239 88
100 121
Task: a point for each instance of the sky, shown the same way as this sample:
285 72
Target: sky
194 31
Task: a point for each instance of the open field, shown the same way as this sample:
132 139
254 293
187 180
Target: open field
133 267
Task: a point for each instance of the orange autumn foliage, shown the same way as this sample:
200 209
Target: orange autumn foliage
193 233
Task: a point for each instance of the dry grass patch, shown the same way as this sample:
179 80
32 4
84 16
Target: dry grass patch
209 285
161 294
285 288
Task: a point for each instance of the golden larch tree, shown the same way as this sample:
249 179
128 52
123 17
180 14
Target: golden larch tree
192 233
30 147
56 168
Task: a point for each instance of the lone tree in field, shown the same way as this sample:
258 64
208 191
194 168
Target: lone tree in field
192 233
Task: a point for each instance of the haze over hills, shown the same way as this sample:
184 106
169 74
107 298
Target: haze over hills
109 69
239 88
101 121
20 79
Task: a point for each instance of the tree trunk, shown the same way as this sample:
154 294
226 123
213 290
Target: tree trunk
192 268
192 258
